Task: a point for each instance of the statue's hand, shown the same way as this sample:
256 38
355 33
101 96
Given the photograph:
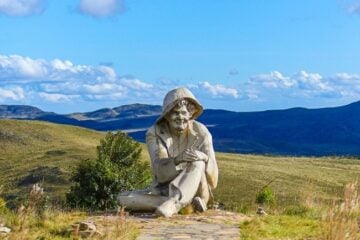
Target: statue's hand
190 155
202 156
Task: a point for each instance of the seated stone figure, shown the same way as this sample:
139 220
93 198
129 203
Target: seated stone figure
182 158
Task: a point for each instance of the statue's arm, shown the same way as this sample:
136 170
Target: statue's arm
212 170
163 166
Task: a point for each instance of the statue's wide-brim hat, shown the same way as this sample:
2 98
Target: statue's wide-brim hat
174 96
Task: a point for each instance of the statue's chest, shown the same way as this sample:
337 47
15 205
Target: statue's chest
178 146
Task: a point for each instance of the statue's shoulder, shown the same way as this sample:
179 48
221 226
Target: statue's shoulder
200 128
156 129
151 130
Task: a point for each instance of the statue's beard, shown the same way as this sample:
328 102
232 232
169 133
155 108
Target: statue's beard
180 125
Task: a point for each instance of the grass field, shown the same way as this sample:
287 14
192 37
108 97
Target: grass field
292 178
31 151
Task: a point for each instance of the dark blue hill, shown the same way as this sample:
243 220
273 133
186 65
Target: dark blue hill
296 131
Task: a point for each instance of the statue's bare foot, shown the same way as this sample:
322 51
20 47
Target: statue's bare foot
168 208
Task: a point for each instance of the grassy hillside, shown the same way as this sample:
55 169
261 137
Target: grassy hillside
304 187
33 151
292 179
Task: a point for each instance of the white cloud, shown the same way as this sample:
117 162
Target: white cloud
136 84
62 65
252 94
57 97
304 84
345 79
61 80
352 6
108 73
19 68
274 79
101 8
219 90
14 93
21 7
16 66
311 81
104 88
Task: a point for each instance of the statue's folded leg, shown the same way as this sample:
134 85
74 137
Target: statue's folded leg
203 190
186 184
140 200
182 189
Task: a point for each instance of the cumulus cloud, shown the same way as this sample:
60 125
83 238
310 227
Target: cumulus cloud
57 97
61 80
274 79
17 67
136 84
345 79
311 81
21 7
14 93
101 8
104 88
304 84
219 90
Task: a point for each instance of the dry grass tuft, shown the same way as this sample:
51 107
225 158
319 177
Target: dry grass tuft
118 227
341 219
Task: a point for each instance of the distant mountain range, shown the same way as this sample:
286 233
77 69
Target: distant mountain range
295 131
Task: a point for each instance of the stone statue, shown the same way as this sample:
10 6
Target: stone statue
183 162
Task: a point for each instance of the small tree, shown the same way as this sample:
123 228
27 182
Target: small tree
117 168
265 196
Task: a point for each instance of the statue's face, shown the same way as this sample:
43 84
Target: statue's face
178 118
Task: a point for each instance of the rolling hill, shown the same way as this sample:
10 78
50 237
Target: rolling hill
296 131
33 151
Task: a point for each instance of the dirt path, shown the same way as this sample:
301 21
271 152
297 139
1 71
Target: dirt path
212 225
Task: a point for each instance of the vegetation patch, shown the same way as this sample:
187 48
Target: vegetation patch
46 175
265 196
117 168
9 136
280 227
310 202
55 153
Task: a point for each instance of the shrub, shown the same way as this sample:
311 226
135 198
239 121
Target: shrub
117 168
265 196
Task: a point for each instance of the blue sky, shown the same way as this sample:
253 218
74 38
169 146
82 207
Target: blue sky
68 55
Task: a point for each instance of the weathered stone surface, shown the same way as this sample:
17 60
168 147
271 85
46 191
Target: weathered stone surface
4 231
261 212
85 229
211 225
182 156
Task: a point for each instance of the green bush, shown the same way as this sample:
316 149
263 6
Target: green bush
265 196
117 168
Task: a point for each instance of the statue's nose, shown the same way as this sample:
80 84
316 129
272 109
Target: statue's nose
181 116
